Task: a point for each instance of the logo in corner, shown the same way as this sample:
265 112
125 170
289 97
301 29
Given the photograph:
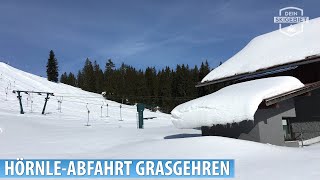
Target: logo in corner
289 19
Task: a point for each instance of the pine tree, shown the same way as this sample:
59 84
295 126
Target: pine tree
64 78
110 65
88 77
204 70
151 80
109 78
99 79
71 79
195 78
52 68
165 90
79 79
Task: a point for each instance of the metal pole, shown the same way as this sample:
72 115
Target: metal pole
301 138
137 118
61 99
19 97
88 115
120 113
140 114
107 110
45 103
31 102
101 110
6 90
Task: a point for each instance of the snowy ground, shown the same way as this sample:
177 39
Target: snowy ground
64 135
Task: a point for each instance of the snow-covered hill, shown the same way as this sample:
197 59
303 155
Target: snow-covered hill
74 100
64 135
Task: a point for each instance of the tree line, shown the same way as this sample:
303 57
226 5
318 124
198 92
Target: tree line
164 88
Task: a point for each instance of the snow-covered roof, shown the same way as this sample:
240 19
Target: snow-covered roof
271 49
234 103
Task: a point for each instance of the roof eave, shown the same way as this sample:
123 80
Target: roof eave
291 94
307 60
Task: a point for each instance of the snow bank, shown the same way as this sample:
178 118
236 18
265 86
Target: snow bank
271 49
253 160
234 103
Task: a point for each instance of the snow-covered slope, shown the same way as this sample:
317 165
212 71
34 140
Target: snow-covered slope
271 49
74 100
64 135
233 103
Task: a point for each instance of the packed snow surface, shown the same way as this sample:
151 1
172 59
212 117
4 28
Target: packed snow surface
64 135
271 49
233 103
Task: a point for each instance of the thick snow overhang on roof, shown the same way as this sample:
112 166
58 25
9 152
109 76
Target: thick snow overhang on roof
271 50
231 104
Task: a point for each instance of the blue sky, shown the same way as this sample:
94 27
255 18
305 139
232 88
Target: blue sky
140 33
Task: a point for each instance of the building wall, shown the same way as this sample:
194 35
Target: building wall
266 128
305 119
306 125
306 130
268 124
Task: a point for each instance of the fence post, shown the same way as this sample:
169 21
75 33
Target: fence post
107 110
101 111
6 90
120 113
59 99
28 99
58 104
88 115
31 103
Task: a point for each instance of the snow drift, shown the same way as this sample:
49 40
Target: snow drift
271 49
234 103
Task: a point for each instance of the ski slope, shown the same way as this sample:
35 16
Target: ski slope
74 100
64 135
